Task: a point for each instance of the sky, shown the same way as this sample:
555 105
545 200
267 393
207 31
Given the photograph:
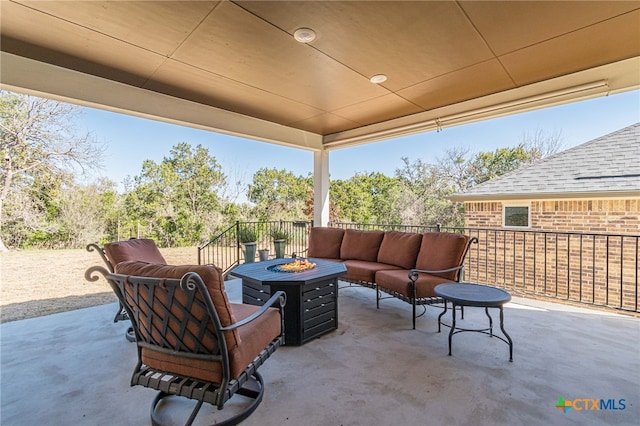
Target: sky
131 140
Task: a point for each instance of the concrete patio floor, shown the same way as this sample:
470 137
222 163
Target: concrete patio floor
74 368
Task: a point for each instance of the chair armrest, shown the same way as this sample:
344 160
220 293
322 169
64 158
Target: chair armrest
94 247
413 273
279 298
90 273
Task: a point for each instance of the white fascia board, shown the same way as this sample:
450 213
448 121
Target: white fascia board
36 78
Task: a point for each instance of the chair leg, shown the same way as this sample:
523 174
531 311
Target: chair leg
159 397
414 313
130 335
121 314
253 394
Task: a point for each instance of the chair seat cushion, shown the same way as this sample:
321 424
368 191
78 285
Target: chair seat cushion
254 337
360 270
398 281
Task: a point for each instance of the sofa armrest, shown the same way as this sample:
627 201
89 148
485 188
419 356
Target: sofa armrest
413 273
279 299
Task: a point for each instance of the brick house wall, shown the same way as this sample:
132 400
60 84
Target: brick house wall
588 216
574 259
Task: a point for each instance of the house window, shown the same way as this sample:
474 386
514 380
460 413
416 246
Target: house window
516 216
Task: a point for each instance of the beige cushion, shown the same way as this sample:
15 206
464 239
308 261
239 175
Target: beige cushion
361 245
442 250
141 249
400 249
325 242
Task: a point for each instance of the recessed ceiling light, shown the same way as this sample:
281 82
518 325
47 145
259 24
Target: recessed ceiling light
378 78
304 35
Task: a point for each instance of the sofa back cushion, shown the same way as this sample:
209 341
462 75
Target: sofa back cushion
442 250
361 245
141 249
325 242
399 249
211 276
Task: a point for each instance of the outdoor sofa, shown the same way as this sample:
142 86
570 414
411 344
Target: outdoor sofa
404 265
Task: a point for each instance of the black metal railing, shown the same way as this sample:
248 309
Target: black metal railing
595 269
225 249
587 268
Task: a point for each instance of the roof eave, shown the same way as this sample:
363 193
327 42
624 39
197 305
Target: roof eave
545 196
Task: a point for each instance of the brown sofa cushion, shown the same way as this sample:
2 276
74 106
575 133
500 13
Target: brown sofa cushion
325 242
442 250
399 249
398 281
361 245
359 270
255 336
211 276
141 249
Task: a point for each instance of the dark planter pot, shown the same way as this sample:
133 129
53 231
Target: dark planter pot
249 252
280 245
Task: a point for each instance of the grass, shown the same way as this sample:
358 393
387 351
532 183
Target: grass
42 282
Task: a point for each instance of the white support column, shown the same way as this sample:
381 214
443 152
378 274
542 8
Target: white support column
320 188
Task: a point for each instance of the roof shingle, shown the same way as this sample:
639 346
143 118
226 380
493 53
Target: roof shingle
607 166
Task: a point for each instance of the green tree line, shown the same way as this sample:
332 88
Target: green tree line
186 198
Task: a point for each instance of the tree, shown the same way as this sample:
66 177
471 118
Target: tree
365 198
488 165
39 140
177 199
532 147
279 194
424 188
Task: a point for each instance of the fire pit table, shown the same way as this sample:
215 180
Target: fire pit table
312 295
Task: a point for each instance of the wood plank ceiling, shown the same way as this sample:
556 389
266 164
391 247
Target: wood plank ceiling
241 56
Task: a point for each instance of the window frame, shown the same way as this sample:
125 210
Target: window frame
511 205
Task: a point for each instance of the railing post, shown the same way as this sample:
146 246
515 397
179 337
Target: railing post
238 240
438 227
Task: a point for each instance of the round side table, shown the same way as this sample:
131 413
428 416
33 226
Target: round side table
474 295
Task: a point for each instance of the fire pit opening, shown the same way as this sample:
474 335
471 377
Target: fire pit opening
297 265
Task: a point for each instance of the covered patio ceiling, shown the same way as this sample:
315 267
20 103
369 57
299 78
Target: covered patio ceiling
235 67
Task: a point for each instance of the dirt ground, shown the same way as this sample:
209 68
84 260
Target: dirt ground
42 282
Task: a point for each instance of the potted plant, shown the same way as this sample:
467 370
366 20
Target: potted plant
280 239
249 240
263 254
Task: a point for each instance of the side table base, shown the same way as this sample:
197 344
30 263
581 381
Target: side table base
453 329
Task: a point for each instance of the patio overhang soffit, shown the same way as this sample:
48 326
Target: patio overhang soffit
235 67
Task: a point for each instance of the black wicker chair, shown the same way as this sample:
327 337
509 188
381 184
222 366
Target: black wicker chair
191 341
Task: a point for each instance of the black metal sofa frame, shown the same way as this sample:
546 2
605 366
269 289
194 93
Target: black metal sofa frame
404 265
